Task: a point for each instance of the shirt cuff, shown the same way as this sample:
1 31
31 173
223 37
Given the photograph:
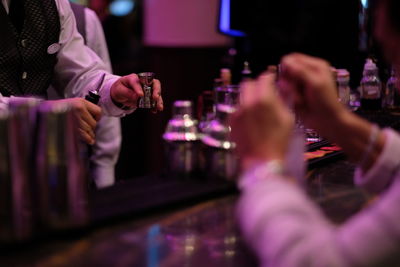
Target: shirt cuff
261 171
381 174
106 102
103 176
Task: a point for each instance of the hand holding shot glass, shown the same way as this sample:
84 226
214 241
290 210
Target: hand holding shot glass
138 91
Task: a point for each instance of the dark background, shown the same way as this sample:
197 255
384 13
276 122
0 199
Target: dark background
322 28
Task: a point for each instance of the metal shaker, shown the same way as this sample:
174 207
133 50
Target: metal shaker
61 174
17 125
181 139
146 80
219 159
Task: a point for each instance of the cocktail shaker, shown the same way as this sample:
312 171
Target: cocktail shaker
61 175
181 139
219 159
17 126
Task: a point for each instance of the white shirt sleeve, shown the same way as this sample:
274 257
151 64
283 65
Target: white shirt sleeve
78 68
286 228
108 132
382 173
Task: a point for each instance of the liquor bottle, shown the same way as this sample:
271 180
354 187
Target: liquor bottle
226 77
391 97
206 109
343 78
246 72
371 87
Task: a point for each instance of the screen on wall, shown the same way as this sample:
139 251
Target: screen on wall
232 18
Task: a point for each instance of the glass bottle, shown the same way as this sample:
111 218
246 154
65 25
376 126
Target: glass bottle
371 87
391 92
343 78
246 72
206 109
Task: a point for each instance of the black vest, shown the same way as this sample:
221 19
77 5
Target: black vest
25 66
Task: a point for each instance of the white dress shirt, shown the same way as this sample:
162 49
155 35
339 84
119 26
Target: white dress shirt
78 68
286 228
105 151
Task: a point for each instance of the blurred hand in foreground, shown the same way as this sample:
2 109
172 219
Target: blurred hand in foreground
308 83
263 125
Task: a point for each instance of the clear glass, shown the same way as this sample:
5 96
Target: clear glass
344 92
227 95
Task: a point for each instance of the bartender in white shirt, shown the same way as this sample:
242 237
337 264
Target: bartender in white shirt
40 45
104 153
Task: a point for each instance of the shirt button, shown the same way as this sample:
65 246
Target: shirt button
24 75
24 43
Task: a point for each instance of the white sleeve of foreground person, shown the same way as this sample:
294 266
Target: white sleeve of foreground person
286 228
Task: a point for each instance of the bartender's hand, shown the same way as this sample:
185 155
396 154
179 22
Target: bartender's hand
263 125
87 115
308 83
127 90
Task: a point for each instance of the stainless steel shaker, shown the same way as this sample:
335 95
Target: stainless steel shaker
17 126
61 174
146 80
219 159
181 139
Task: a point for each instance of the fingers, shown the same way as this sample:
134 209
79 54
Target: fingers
94 110
263 89
248 89
159 104
85 136
127 90
305 69
266 86
87 115
156 90
132 82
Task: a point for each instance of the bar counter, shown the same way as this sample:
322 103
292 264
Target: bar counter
197 231
164 221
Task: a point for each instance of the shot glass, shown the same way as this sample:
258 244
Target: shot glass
146 80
